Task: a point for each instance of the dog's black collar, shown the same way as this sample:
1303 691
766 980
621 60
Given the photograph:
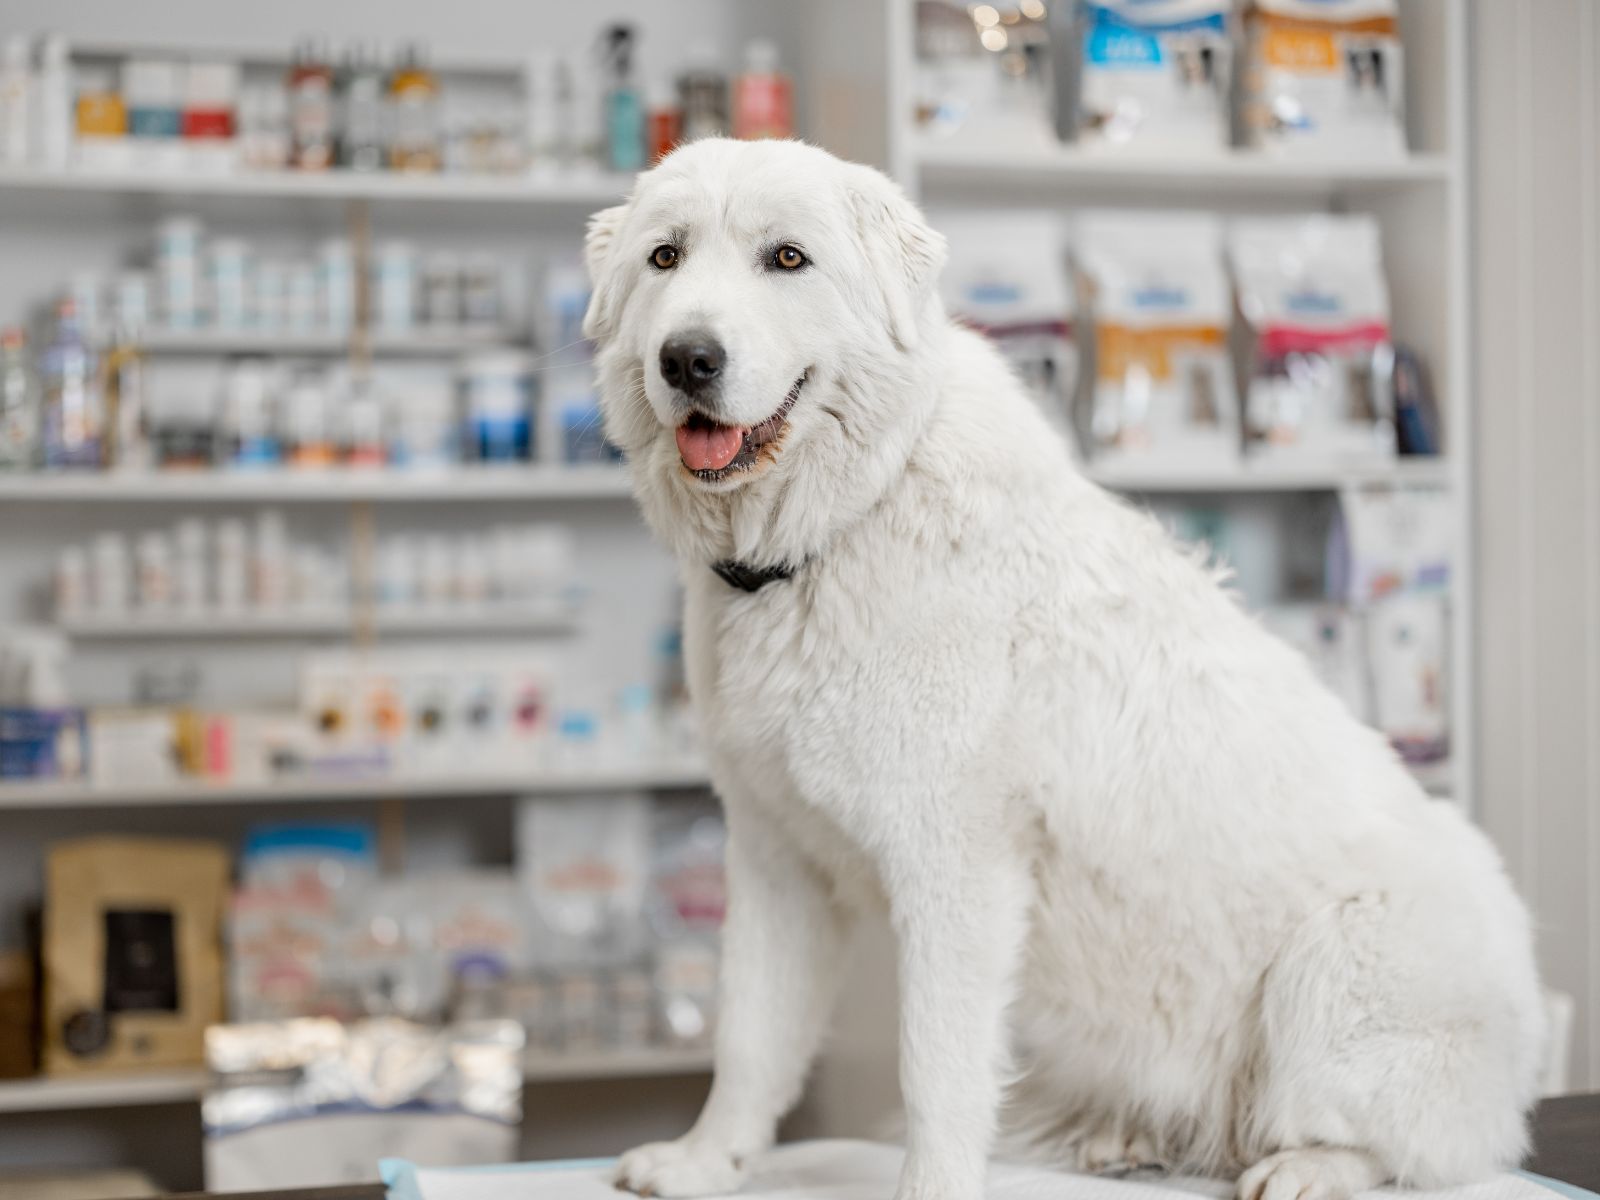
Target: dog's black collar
747 578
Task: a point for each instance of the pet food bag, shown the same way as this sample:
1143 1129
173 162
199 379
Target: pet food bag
1154 75
1323 79
132 952
1163 382
1007 276
1312 294
990 84
1407 648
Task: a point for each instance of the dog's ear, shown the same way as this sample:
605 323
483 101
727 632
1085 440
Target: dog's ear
603 227
905 252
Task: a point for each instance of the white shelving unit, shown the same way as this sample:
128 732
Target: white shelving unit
334 622
144 1089
576 190
1420 202
421 342
855 64
661 775
334 485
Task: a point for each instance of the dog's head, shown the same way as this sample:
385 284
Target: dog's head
758 308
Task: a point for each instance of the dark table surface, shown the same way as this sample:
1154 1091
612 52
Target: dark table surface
1566 1146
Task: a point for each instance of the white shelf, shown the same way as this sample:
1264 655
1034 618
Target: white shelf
574 189
625 1064
135 1089
126 1090
420 342
643 776
455 618
1272 477
955 166
334 484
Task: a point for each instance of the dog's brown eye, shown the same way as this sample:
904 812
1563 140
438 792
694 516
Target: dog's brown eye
664 258
789 258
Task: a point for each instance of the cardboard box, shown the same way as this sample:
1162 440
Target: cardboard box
132 952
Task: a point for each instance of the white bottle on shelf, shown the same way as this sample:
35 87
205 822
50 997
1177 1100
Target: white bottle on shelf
16 90
52 104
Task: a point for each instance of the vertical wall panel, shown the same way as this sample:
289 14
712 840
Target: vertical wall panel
1535 238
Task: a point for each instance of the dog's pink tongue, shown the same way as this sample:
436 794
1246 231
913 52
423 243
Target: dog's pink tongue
709 447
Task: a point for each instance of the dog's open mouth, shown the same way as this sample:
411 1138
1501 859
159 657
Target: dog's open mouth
713 451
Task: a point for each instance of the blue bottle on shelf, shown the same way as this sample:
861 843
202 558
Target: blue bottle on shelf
624 106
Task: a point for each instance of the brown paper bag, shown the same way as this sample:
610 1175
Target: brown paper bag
132 952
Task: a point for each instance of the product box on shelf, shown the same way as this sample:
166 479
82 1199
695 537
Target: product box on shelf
43 743
132 952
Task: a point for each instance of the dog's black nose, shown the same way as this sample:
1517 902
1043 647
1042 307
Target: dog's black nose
691 361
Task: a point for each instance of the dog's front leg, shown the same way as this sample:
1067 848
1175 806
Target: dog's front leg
780 948
960 915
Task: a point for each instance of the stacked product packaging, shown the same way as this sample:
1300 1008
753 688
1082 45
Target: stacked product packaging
1185 343
91 399
1288 78
1183 340
369 110
602 939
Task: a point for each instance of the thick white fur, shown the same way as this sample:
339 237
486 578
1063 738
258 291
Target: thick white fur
1141 865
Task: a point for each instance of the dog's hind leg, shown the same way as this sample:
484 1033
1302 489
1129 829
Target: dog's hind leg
1399 1031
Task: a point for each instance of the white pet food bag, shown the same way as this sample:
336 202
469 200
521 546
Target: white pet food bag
1154 75
1007 276
1324 79
1312 293
1407 646
1163 382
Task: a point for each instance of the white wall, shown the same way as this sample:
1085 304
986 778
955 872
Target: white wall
1536 96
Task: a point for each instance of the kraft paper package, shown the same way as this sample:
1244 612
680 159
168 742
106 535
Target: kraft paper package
132 952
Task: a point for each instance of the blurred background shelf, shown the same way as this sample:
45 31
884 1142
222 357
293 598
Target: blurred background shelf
656 775
570 190
140 1089
334 485
454 619
419 342
966 166
1272 477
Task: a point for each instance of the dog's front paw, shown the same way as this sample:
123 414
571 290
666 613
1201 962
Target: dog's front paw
1311 1173
1110 1150
681 1168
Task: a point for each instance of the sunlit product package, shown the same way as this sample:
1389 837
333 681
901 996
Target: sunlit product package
584 869
297 1103
983 73
1407 648
1324 79
1154 75
1313 297
1007 276
1163 391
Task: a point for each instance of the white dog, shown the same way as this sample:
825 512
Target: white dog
1132 850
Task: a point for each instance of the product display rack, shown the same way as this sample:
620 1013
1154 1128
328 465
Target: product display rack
1419 200
575 190
655 775
141 1089
855 62
335 622
334 485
